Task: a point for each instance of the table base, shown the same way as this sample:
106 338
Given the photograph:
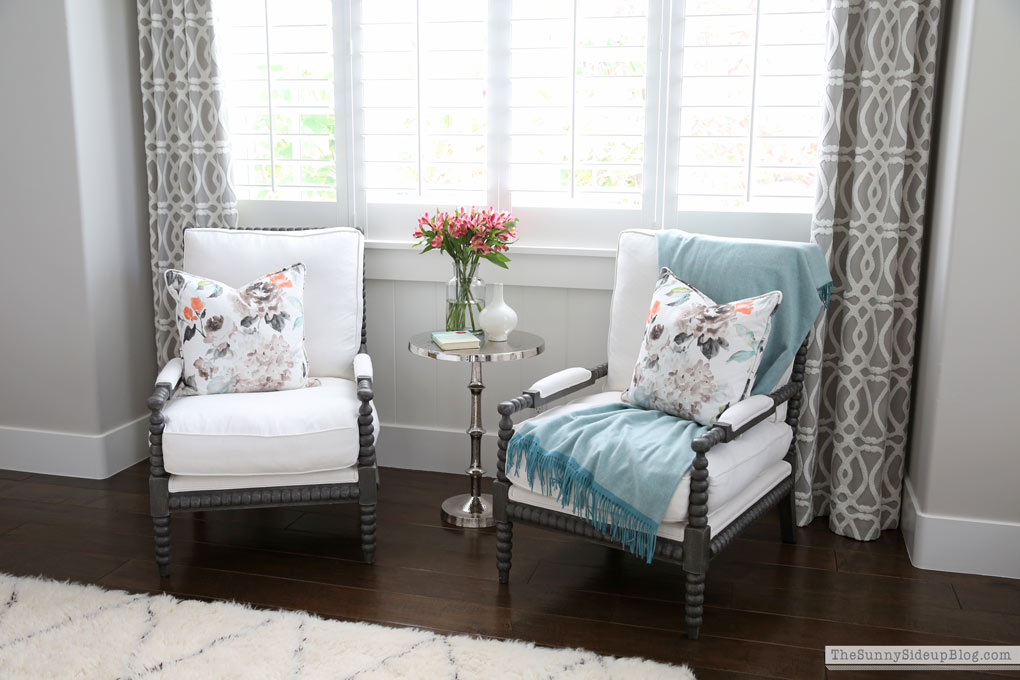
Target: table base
468 511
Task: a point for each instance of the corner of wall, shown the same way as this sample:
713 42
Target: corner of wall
959 544
71 454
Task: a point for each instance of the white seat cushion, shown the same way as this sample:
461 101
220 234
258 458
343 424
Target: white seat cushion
333 261
186 483
312 429
731 467
718 518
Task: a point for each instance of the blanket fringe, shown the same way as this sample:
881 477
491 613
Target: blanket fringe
559 476
825 293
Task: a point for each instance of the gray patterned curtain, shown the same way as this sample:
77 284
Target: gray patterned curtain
868 220
186 146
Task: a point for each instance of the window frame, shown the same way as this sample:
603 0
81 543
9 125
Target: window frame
546 231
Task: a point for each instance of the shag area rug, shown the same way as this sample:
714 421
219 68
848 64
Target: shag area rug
62 630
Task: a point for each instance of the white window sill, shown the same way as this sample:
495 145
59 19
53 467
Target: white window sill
390 256
553 267
517 249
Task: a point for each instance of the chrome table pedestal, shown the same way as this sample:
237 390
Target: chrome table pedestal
474 510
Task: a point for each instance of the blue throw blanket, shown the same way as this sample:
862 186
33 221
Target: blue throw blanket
617 465
728 269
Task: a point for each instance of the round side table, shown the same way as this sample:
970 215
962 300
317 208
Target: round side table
474 510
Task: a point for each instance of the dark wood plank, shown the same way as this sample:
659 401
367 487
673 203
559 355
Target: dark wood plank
990 595
818 535
132 479
894 674
21 559
900 567
14 475
8 524
658 578
716 674
865 608
253 521
42 492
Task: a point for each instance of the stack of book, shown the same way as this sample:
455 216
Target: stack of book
455 340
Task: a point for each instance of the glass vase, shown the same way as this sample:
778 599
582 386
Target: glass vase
465 298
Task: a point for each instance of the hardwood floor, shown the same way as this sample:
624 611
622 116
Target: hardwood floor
770 608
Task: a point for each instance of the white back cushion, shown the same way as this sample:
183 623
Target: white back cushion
333 286
637 269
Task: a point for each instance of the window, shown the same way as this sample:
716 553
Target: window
423 71
749 105
594 114
277 59
577 104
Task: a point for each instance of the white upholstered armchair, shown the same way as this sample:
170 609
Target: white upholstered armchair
743 465
304 446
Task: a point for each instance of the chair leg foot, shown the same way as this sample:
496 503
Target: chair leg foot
695 598
787 523
161 529
368 532
504 548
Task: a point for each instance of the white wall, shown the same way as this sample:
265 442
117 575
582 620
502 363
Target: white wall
76 344
103 38
45 380
962 508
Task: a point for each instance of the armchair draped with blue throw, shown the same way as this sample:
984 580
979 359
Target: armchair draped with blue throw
655 485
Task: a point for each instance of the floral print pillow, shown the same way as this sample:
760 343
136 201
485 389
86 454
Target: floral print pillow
698 357
241 340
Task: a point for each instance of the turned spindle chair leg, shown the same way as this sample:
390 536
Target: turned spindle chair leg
161 526
504 548
368 532
695 598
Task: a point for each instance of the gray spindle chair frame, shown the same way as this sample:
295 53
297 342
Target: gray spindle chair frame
163 503
698 547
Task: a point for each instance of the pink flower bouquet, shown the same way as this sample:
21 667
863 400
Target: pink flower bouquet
467 237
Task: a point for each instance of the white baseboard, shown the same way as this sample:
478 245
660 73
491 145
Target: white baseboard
960 544
93 456
433 449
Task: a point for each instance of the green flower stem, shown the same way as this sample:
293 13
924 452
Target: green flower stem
462 309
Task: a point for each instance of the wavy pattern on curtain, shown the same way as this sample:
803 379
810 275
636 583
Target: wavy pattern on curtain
869 222
187 154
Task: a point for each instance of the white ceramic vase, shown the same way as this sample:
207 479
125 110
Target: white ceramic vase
498 318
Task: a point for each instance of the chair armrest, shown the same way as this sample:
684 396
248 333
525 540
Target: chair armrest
366 426
363 376
166 381
744 415
560 380
171 372
362 366
562 383
550 388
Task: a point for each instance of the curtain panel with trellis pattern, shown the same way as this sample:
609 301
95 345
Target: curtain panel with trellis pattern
187 154
873 178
